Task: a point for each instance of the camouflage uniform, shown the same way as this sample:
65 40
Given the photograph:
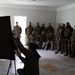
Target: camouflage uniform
58 38
67 35
32 38
17 30
49 29
73 44
43 28
55 43
42 40
29 30
62 38
37 29
50 40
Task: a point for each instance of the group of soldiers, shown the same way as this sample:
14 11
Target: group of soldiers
40 34
62 41
65 40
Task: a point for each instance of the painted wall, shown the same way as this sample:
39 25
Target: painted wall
41 16
66 15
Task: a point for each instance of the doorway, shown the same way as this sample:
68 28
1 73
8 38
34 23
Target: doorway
22 21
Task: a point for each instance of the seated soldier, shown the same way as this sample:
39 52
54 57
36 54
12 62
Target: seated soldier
50 40
42 40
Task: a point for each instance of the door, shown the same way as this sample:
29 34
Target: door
22 21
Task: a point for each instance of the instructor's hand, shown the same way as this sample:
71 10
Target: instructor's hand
18 52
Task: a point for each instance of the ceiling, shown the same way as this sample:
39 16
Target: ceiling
38 3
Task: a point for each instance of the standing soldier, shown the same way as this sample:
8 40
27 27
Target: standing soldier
67 36
73 43
43 27
49 29
58 38
28 30
37 29
17 30
62 38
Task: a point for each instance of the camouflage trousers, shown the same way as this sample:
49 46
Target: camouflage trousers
60 45
55 45
67 46
49 45
73 48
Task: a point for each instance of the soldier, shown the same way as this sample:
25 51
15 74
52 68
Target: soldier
17 30
67 35
43 27
49 29
42 40
58 38
50 41
73 43
29 29
37 29
32 37
62 38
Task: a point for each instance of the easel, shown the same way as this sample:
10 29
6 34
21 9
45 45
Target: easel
10 67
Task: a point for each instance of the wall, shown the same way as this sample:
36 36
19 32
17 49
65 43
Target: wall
33 15
66 14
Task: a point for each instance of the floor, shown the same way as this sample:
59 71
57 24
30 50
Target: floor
54 64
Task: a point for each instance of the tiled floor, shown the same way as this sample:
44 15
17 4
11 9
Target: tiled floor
62 65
